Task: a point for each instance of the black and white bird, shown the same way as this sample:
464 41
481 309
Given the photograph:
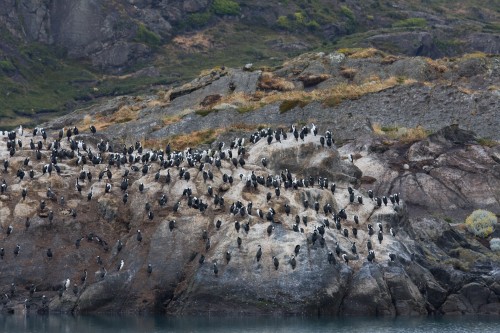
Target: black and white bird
276 262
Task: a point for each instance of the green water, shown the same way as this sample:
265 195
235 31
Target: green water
126 324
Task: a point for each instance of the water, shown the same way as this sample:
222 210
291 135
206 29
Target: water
157 324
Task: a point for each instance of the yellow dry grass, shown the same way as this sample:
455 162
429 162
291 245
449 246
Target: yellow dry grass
389 59
402 134
156 102
348 72
195 42
168 120
438 65
366 53
352 91
183 141
330 96
124 114
87 120
196 138
269 82
465 90
377 129
473 55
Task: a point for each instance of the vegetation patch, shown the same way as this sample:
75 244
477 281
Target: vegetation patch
245 108
402 134
146 36
205 112
169 120
366 53
342 92
347 12
348 72
474 55
297 21
481 223
7 67
198 20
268 81
414 22
487 142
437 65
124 114
225 7
290 104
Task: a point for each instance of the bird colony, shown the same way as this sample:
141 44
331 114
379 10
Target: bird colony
73 197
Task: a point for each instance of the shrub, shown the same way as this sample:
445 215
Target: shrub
347 12
7 66
197 20
481 223
283 22
495 244
313 25
226 7
296 21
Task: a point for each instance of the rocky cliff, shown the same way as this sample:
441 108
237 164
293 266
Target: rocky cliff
349 92
111 34
56 56
313 260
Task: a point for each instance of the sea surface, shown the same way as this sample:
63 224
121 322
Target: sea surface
149 324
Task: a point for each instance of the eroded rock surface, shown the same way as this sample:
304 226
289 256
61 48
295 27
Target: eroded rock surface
435 267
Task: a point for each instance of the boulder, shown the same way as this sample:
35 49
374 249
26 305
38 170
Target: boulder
369 294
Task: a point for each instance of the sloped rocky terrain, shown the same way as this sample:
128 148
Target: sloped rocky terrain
348 92
57 56
421 263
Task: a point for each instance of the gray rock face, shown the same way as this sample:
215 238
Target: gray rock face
369 294
434 268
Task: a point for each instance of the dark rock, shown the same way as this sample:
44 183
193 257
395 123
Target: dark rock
368 294
456 305
476 294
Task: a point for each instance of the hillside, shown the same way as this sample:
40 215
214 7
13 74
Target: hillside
107 228
56 56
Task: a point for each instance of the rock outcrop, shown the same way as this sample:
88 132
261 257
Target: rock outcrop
422 265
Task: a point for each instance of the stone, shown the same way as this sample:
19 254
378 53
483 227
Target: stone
368 294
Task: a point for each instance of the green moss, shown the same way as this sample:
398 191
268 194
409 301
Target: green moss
245 109
225 7
487 142
389 128
146 36
448 219
205 112
414 22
